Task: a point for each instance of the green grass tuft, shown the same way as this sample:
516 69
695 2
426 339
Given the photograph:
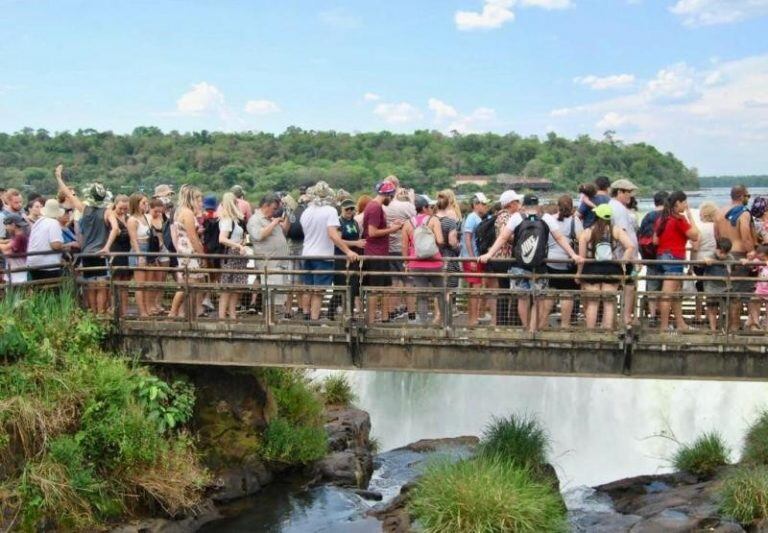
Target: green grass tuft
704 456
756 441
289 443
485 495
518 438
338 391
745 494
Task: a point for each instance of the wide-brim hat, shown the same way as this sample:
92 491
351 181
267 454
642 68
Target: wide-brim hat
320 191
52 209
163 190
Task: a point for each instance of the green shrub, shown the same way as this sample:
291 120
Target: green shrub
297 402
756 441
338 391
704 456
485 495
745 494
288 443
515 438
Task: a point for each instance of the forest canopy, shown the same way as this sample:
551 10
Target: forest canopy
261 162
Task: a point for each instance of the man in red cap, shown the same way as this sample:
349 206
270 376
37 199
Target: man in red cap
376 233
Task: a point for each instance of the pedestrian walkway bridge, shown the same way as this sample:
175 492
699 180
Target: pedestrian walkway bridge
347 336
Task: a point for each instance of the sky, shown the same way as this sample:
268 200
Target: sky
688 76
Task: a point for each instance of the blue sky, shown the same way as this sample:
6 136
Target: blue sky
690 76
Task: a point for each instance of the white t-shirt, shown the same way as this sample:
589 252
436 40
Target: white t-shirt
623 218
315 221
236 234
554 250
517 219
707 243
398 210
44 232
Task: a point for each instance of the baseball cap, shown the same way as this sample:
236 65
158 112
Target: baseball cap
16 219
530 200
237 190
420 202
210 203
507 197
345 204
623 184
604 211
386 188
480 198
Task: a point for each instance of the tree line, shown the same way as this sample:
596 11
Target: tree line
260 162
730 181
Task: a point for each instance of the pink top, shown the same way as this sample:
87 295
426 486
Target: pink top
435 263
762 285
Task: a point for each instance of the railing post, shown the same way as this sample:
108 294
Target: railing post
266 297
188 298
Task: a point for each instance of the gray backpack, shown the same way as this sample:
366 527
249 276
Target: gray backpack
424 243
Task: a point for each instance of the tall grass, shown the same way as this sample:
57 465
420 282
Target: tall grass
338 391
517 438
756 441
704 456
77 444
744 496
484 496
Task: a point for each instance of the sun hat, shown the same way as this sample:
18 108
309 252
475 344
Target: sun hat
530 200
210 203
320 191
480 198
386 188
290 203
52 209
94 194
163 190
604 211
624 185
507 197
16 219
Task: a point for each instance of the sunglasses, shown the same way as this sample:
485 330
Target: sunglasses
349 209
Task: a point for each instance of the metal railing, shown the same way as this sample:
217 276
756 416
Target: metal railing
278 291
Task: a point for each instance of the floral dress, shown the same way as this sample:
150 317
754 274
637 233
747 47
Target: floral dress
184 248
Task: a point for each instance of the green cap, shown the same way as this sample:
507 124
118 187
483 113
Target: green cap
603 211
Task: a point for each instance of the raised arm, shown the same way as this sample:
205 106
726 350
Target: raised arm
73 200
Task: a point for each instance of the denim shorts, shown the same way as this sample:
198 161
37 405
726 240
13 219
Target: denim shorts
317 276
670 269
526 283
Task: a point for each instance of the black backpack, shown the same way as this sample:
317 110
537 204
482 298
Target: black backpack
211 243
531 243
295 231
168 239
485 234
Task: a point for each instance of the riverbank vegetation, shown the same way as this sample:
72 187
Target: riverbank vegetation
85 437
504 487
702 457
337 390
262 162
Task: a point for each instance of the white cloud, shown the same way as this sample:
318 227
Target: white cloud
674 82
711 12
397 113
598 83
261 107
495 13
441 109
371 97
202 99
478 120
714 118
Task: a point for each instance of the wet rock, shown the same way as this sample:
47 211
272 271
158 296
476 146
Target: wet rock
240 481
369 494
201 515
431 445
350 463
603 522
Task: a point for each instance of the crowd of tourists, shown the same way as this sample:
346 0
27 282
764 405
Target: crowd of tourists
573 256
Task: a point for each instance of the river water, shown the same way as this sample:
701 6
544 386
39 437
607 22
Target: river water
601 429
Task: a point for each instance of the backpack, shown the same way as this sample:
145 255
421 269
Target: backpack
604 249
531 243
424 243
211 243
645 235
166 233
295 231
485 234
